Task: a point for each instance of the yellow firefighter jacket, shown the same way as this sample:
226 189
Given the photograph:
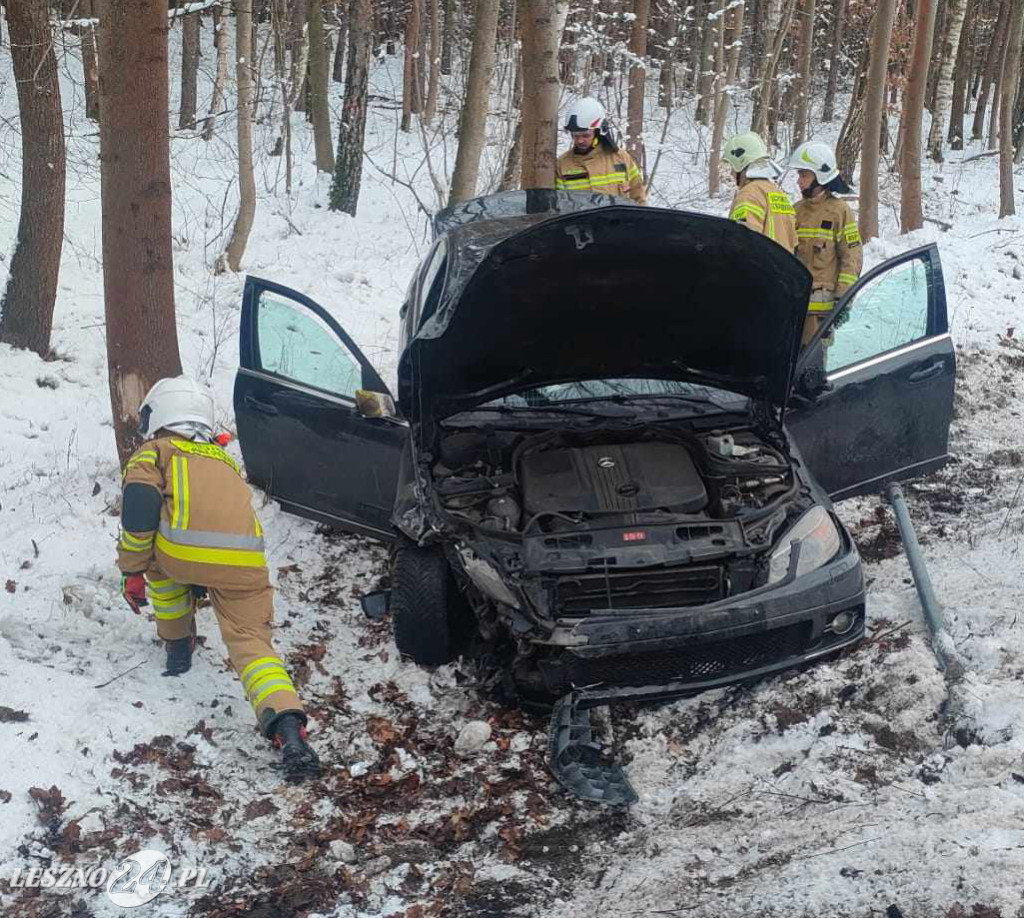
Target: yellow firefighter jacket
829 248
763 206
600 170
187 510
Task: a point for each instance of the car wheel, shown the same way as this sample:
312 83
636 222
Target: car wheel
427 609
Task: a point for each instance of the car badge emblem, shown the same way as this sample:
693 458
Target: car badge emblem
606 462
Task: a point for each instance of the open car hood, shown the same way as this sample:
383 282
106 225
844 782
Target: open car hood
609 293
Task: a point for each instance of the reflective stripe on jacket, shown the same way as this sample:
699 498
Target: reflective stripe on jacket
829 247
600 170
199 525
765 207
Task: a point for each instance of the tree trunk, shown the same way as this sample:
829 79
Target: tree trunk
543 21
448 39
298 46
961 78
90 64
341 16
348 166
473 123
1011 80
26 311
695 32
190 30
991 69
706 78
135 190
838 25
667 76
911 211
410 80
997 88
763 104
874 99
514 158
801 124
955 12
246 180
637 81
433 86
769 14
220 43
732 41
318 88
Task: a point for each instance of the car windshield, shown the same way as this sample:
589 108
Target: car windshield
616 390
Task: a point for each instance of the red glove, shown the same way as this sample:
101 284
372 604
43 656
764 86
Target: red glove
133 589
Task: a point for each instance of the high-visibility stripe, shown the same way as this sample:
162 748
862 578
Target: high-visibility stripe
185 500
231 557
740 211
274 687
251 666
134 543
815 306
164 586
277 674
203 539
813 232
257 525
206 450
847 278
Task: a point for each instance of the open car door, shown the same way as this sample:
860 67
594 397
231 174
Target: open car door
886 410
302 438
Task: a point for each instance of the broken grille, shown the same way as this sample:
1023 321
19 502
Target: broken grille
662 588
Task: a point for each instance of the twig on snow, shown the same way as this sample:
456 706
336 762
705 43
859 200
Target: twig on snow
118 676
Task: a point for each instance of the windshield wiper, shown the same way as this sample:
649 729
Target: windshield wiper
555 409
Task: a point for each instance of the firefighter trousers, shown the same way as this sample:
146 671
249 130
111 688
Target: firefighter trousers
244 616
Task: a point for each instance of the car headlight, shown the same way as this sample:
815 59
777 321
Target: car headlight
487 578
819 543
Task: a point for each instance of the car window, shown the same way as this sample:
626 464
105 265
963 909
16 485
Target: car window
889 311
295 343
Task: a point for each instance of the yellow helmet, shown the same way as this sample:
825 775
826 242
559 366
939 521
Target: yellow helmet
744 149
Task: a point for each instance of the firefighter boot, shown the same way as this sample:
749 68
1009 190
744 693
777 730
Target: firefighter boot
179 655
288 733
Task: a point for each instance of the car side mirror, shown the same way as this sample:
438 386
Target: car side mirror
376 605
375 404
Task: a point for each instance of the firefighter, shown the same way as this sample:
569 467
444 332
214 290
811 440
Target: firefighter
829 242
595 162
187 526
759 202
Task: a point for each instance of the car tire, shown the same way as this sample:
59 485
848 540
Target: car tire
427 610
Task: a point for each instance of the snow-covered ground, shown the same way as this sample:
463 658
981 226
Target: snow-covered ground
827 792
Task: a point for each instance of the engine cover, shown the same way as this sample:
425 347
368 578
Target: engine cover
624 478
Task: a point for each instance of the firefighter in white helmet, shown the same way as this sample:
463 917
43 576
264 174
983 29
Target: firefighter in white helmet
595 162
829 242
759 202
188 527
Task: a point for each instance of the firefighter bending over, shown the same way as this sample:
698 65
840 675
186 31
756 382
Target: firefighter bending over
759 202
187 524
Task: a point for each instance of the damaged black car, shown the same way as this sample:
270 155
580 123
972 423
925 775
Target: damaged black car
608 454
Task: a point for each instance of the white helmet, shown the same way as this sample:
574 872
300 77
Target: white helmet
817 157
176 403
586 115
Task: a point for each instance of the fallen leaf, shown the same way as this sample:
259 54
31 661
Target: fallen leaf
10 716
10 586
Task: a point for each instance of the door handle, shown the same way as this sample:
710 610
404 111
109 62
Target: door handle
928 372
261 407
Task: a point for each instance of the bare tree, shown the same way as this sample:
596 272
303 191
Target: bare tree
911 210
955 12
220 44
637 80
990 72
90 62
801 124
341 17
430 107
26 311
473 123
543 21
135 183
318 89
763 102
734 30
962 77
1011 80
190 32
835 49
246 181
448 39
348 165
411 104
874 98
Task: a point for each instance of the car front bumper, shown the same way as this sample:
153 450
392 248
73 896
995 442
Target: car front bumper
663 653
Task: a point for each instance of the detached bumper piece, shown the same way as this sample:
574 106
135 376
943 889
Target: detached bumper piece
575 759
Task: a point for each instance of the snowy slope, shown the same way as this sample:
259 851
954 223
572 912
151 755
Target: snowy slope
825 792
